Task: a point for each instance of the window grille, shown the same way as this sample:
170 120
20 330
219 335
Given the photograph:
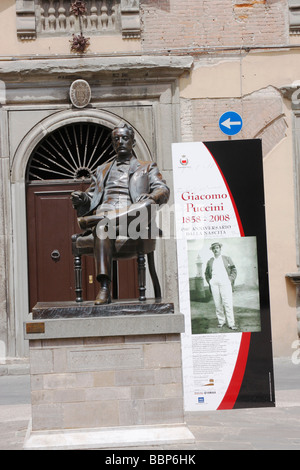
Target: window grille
71 152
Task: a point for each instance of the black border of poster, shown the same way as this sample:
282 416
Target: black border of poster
241 163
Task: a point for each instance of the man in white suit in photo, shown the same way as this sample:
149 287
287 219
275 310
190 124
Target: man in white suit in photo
221 274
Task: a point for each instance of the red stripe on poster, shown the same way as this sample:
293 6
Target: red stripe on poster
234 387
233 390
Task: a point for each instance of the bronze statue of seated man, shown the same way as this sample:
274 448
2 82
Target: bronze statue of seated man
124 190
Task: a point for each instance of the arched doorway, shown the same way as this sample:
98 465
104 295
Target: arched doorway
64 161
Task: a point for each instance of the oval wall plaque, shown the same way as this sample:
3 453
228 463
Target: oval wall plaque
80 93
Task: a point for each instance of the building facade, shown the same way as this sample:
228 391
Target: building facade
168 68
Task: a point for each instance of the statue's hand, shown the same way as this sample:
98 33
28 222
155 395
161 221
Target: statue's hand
79 198
145 197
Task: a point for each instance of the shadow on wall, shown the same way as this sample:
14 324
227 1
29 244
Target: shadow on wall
5 4
291 293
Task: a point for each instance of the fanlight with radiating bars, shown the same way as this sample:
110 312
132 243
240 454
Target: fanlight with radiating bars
71 152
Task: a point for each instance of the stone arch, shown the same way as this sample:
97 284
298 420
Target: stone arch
64 118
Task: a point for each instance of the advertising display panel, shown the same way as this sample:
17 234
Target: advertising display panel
223 275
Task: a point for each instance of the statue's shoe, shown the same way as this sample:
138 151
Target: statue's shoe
103 296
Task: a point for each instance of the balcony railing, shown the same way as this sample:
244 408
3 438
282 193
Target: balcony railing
51 18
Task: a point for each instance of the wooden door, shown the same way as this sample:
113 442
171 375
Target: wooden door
51 221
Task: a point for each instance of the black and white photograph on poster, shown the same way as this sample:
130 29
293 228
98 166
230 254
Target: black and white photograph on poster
224 285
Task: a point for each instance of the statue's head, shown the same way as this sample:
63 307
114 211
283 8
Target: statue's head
124 130
123 140
127 128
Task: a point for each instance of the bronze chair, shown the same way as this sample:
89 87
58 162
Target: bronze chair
82 244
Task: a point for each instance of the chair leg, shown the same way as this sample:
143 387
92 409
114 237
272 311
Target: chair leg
142 276
155 280
115 282
78 278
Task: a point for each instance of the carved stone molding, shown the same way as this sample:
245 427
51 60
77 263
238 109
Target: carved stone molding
294 13
295 279
80 93
130 18
26 20
109 67
292 92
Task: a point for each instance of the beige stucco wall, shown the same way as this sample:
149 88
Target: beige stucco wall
280 219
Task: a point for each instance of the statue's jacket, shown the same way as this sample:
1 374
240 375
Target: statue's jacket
144 178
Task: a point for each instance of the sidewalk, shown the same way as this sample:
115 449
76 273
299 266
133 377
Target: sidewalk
250 429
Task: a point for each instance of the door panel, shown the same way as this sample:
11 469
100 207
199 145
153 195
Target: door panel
54 227
51 223
128 279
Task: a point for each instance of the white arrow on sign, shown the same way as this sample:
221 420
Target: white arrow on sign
228 123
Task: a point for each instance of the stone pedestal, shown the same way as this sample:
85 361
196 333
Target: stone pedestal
105 381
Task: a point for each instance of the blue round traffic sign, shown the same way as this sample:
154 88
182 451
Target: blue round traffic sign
231 123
